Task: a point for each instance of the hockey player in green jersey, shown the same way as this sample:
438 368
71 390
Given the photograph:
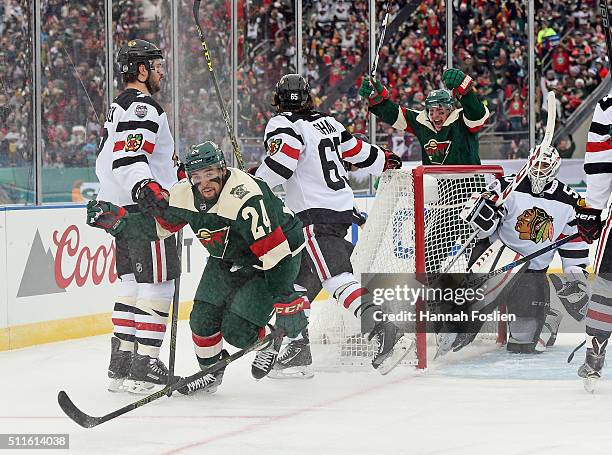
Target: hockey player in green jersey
254 243
447 135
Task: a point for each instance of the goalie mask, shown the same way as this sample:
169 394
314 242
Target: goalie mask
292 93
544 169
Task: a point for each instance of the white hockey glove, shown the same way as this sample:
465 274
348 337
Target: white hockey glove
481 213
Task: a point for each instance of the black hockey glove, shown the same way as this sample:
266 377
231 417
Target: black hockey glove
181 174
107 216
392 161
589 223
151 197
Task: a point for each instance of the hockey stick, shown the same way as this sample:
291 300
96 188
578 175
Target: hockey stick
605 19
226 118
380 41
551 105
482 279
175 305
87 421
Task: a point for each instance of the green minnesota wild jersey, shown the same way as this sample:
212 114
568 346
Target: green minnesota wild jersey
247 226
455 143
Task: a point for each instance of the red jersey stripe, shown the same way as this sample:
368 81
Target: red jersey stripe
120 145
269 242
148 147
594 147
290 151
353 295
354 151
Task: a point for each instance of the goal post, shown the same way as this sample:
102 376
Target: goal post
413 227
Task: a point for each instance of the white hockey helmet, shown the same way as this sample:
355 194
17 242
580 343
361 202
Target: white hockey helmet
544 169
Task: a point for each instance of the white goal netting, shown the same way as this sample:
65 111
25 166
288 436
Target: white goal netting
413 226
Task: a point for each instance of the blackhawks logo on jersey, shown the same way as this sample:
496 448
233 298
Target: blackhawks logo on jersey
274 146
133 142
213 241
437 151
536 225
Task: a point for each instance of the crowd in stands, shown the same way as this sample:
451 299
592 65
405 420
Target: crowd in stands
490 44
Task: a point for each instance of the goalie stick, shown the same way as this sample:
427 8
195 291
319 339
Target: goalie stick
551 105
211 70
88 421
529 257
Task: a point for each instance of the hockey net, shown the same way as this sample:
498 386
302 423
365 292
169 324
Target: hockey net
413 226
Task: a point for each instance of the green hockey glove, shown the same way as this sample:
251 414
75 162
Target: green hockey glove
107 216
373 91
457 81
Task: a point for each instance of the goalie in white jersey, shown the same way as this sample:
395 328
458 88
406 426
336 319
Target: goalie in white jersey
538 212
134 165
306 153
598 168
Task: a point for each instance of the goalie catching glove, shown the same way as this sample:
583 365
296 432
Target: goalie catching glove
107 216
152 199
373 91
481 213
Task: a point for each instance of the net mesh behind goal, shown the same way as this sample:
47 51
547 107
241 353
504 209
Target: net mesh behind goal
412 227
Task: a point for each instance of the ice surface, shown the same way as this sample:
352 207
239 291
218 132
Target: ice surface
474 403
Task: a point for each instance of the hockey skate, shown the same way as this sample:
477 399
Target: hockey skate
294 362
590 370
207 384
265 358
147 375
391 347
119 366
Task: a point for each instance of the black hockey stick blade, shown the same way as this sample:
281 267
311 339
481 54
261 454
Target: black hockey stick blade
87 421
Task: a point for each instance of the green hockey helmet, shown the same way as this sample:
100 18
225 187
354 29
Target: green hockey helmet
439 98
204 155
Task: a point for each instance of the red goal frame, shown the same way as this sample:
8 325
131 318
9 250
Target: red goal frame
418 174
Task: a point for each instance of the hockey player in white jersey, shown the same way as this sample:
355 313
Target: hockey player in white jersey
306 151
540 211
598 168
135 164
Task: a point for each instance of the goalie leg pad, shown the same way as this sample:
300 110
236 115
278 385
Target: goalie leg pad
530 306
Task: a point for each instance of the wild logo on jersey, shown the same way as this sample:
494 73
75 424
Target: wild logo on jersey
437 151
239 191
213 241
133 142
274 146
536 225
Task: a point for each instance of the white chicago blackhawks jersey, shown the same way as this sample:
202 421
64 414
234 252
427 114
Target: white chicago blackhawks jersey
305 153
598 156
136 145
530 222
